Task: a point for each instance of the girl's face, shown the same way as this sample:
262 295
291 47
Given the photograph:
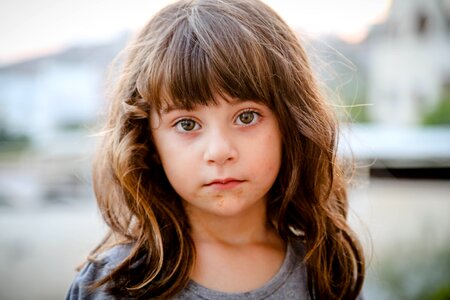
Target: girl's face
221 159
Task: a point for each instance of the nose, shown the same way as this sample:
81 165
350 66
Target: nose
220 147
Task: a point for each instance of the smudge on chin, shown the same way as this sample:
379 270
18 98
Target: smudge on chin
220 201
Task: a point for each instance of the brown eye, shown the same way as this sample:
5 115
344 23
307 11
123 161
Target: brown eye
187 125
246 117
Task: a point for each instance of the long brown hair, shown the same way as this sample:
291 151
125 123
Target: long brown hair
190 52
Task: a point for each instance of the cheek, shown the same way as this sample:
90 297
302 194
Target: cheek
276 154
178 166
172 162
266 156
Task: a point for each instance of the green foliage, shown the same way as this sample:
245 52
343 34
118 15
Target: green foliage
440 115
417 276
72 126
359 114
12 143
442 293
354 98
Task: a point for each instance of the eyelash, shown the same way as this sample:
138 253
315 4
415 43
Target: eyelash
178 125
256 117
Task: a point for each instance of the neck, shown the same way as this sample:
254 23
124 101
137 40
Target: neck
248 227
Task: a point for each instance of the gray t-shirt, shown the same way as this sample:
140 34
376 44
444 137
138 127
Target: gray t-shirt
288 283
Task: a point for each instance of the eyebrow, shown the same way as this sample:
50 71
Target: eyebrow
172 107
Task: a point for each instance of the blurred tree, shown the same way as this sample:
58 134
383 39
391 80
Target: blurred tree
440 115
358 113
12 143
418 275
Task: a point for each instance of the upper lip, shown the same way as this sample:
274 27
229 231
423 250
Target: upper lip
223 181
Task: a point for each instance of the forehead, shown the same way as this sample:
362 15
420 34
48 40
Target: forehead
191 58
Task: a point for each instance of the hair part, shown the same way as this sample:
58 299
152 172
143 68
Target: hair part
188 54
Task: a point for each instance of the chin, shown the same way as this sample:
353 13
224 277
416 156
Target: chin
231 208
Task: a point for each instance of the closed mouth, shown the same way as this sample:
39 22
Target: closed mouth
224 182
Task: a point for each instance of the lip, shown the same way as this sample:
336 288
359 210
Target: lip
224 184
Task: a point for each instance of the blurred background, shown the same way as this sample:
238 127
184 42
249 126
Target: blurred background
384 64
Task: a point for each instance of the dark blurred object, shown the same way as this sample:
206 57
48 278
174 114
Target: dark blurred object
411 173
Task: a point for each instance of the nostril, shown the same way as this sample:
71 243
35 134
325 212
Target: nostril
220 160
220 156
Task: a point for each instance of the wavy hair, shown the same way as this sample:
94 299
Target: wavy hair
188 53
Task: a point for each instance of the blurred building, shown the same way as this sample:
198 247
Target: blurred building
42 96
409 61
48 110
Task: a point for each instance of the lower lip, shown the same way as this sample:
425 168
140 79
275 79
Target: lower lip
225 186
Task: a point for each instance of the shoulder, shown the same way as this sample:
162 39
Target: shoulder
96 270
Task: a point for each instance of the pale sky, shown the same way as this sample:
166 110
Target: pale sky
36 27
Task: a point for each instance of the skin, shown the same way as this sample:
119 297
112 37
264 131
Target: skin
222 160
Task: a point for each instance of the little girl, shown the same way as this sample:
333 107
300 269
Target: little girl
217 174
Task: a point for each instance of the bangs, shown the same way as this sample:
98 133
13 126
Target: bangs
203 53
